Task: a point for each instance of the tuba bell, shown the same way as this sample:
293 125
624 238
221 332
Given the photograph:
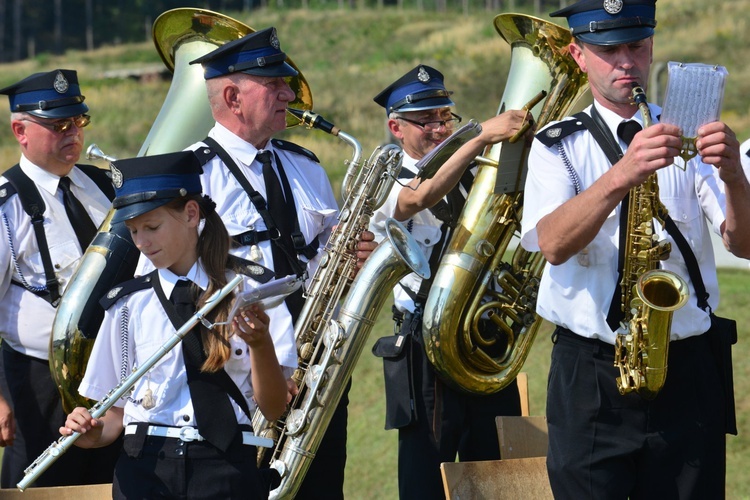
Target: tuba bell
480 320
180 35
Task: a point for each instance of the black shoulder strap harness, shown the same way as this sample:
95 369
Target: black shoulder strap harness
33 205
272 232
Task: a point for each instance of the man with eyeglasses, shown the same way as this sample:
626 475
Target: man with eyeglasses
435 422
50 209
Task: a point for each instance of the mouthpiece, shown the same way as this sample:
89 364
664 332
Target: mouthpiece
314 120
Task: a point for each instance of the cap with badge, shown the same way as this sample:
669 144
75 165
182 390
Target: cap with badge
54 94
258 53
419 89
145 183
610 22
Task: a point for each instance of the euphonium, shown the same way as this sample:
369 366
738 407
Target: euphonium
180 36
649 295
480 320
329 343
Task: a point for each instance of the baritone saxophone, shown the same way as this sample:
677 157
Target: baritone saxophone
330 334
649 295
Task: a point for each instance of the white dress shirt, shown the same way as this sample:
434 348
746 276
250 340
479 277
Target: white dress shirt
423 226
26 319
577 293
135 328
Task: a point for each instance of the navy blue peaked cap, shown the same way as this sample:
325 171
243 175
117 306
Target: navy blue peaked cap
258 53
145 183
54 94
419 89
610 22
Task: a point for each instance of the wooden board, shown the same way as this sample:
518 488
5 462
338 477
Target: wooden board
519 479
522 437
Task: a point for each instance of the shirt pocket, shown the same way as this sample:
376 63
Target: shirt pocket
64 257
688 217
426 236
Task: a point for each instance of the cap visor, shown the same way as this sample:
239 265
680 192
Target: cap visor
617 36
61 112
275 70
132 211
437 102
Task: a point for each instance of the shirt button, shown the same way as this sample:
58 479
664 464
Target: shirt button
684 216
186 418
238 352
427 241
58 266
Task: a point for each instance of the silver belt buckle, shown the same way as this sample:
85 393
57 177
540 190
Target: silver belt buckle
187 434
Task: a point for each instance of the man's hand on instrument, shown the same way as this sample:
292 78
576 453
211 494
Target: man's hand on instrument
365 247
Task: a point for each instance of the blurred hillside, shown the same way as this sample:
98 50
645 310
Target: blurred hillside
348 56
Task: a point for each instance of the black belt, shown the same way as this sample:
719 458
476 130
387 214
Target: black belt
697 343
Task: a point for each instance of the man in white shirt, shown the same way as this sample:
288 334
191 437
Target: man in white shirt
604 444
248 89
42 243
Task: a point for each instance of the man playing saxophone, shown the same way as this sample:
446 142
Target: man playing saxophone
603 444
435 421
252 176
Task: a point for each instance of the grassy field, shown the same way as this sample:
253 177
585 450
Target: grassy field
371 468
348 56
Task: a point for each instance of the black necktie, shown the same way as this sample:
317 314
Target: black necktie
626 131
216 419
85 229
282 215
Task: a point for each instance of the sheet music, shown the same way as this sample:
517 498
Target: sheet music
695 93
268 295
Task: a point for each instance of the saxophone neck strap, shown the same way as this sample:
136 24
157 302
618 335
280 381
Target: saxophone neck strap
691 262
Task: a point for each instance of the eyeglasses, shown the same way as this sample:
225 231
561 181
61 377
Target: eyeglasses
62 126
433 126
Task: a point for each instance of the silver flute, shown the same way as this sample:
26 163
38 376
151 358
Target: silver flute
56 449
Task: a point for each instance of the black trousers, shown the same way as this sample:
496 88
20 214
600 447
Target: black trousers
27 384
446 423
158 467
606 445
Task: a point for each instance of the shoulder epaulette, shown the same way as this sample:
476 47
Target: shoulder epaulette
126 288
6 191
554 133
290 146
249 268
205 154
102 178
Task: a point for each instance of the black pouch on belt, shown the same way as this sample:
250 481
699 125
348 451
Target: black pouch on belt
399 398
723 335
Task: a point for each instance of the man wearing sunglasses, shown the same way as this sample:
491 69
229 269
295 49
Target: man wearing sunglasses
50 210
435 422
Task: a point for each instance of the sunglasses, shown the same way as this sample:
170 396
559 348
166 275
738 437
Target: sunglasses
62 126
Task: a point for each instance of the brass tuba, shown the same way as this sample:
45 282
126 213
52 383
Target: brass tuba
480 320
180 36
